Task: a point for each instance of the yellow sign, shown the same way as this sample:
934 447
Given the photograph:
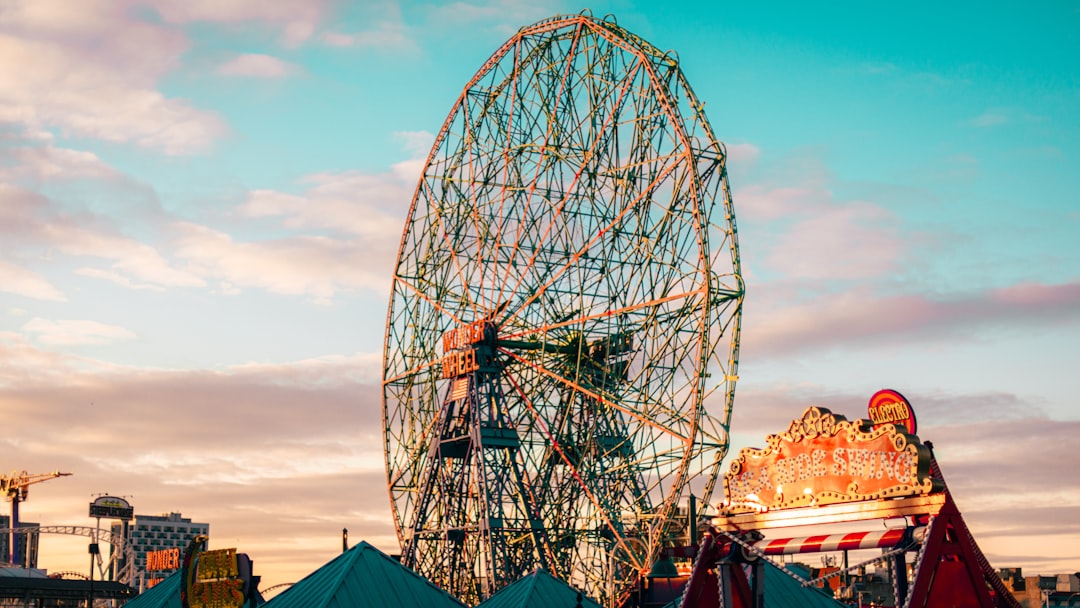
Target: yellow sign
217 582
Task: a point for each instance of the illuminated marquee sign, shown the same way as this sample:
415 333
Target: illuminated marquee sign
157 561
460 355
465 336
825 459
166 559
889 407
215 579
112 507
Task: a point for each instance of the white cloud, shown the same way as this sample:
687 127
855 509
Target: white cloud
238 11
416 143
44 162
320 267
743 153
387 33
22 282
256 65
994 117
34 225
75 332
117 278
388 36
990 118
504 16
297 21
854 241
128 255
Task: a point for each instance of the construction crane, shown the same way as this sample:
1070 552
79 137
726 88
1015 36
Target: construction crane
17 487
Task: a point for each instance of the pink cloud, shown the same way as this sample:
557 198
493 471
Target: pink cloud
252 439
32 223
90 69
239 11
855 241
317 266
48 162
862 317
24 282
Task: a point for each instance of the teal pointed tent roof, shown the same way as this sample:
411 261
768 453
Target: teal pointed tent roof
165 594
538 589
363 577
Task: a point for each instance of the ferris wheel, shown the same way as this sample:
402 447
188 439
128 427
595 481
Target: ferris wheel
562 334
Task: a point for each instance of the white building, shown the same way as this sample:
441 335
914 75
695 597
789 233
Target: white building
148 533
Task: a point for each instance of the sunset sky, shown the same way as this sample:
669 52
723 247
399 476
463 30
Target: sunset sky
201 203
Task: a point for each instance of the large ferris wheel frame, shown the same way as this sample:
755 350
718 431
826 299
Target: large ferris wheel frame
562 335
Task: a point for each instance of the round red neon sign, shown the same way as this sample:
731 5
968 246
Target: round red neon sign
890 407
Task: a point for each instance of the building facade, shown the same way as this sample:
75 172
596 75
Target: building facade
148 533
28 545
1055 591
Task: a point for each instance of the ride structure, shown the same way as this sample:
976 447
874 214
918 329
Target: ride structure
563 330
16 487
826 471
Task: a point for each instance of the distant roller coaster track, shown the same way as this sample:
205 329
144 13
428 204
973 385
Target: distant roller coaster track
124 570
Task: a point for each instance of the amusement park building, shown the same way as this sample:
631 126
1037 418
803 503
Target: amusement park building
148 533
1049 591
28 557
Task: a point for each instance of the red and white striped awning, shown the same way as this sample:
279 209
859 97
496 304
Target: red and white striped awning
882 539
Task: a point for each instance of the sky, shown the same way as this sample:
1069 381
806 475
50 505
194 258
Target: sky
201 203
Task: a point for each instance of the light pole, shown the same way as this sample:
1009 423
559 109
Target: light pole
93 550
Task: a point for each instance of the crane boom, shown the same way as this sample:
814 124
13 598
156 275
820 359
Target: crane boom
16 487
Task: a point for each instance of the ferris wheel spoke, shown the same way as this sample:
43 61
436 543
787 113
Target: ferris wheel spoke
577 255
592 395
590 154
427 299
604 510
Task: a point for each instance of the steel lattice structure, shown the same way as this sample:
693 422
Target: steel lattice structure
566 302
121 559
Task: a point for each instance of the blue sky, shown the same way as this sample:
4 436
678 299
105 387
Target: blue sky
200 205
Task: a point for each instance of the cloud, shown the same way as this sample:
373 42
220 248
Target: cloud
994 117
388 36
338 234
296 20
862 317
806 234
351 202
31 222
23 282
345 227
74 332
317 266
989 119
48 162
90 69
745 153
273 456
256 65
416 143
502 16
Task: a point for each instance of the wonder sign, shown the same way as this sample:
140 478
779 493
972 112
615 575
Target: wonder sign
825 459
